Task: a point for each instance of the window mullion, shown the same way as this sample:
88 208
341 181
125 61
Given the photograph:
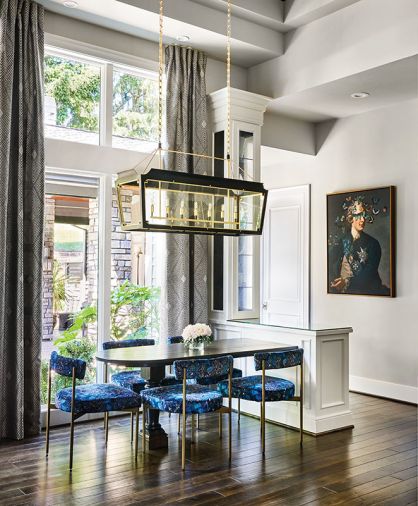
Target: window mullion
106 105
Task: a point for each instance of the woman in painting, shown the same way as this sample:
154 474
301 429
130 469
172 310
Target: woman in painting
355 258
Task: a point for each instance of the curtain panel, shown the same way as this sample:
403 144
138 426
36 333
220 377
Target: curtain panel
21 215
186 130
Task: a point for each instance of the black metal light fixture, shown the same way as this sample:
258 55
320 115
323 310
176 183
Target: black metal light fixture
170 201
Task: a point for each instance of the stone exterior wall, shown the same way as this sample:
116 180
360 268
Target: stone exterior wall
121 247
121 241
48 263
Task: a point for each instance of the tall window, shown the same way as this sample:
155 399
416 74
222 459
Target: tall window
72 99
77 104
135 110
70 271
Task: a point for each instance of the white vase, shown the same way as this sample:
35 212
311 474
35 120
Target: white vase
196 346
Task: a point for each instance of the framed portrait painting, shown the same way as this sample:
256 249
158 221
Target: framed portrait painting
361 242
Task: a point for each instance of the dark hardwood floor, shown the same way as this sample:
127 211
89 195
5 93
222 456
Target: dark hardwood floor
375 463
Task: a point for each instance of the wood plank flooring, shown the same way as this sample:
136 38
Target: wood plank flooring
375 463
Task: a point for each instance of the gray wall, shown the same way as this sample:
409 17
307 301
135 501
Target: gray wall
374 149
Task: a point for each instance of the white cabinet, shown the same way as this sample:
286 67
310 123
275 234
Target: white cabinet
326 360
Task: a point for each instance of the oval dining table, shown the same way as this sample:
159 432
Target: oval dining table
153 360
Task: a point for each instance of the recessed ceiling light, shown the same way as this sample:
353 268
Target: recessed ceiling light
70 4
183 38
360 94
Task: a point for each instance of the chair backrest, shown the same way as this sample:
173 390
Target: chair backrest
203 367
174 339
128 343
65 365
278 359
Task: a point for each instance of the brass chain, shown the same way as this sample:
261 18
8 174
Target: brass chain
160 76
228 88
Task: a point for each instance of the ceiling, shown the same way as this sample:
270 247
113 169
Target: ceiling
387 85
279 42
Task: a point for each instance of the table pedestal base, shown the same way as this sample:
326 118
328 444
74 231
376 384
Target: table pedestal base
155 435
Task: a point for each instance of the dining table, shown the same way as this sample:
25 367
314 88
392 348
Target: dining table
153 361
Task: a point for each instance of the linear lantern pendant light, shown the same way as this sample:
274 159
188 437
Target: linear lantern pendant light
170 201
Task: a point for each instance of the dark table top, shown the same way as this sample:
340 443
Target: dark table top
166 354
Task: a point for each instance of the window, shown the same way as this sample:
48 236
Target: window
78 102
72 99
70 271
134 111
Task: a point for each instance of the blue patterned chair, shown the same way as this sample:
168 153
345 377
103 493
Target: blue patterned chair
262 388
129 379
191 399
91 398
171 380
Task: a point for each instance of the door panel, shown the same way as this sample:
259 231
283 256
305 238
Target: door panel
285 292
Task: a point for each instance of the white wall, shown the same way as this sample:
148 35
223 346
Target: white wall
87 33
378 148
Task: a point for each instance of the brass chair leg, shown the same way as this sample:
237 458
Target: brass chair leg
144 416
136 433
132 426
220 425
301 404
198 421
72 419
263 408
71 443
183 434
48 414
183 442
106 427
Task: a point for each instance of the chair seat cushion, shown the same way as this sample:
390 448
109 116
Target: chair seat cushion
236 373
249 388
97 398
199 399
129 379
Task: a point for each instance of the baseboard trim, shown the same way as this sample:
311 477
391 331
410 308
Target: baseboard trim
385 389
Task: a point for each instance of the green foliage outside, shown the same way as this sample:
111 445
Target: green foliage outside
134 313
135 107
59 290
75 88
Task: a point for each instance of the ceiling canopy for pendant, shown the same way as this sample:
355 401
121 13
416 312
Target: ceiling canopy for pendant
169 201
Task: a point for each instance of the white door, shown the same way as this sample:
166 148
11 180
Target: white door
285 254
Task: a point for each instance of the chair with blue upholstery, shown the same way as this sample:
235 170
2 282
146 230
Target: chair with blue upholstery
128 379
191 399
236 373
262 388
171 380
91 398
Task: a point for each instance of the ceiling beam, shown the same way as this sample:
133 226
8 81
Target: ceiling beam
366 35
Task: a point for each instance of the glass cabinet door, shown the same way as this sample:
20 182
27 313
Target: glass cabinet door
245 243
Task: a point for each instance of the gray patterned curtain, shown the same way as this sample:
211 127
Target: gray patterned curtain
21 215
186 130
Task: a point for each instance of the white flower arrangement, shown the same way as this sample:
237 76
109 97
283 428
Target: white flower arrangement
196 334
